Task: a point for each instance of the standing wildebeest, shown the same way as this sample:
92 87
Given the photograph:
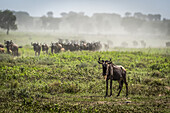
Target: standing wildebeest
37 48
45 48
113 72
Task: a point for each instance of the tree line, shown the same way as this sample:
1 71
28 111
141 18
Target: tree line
98 23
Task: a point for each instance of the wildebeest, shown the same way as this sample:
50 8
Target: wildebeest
2 50
113 72
167 44
55 47
37 48
1 45
11 47
14 48
7 45
45 48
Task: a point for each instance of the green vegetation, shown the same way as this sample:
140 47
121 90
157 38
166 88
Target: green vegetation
73 82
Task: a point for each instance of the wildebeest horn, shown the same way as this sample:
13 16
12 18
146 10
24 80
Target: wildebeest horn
99 61
110 61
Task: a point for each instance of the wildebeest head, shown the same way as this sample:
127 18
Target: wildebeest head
105 66
34 44
7 42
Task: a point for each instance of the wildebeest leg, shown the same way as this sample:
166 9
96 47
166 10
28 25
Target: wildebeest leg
120 85
106 88
17 52
126 87
110 87
52 50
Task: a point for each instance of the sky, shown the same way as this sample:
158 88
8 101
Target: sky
41 7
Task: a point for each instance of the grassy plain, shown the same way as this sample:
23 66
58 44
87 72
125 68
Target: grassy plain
73 82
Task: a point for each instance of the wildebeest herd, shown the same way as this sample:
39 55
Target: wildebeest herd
60 46
73 45
56 47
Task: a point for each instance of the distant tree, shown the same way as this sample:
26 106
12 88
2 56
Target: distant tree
23 19
7 20
128 14
124 44
44 20
131 24
143 43
140 16
157 17
50 14
135 43
168 29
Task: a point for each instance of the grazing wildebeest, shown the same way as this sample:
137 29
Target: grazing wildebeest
45 48
37 48
113 72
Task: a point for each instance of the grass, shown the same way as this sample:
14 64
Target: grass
73 82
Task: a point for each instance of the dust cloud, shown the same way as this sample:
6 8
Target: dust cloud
131 30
